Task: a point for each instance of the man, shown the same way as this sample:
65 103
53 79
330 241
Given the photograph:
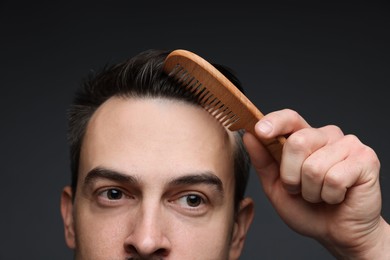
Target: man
155 176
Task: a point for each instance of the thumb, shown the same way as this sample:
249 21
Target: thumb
264 164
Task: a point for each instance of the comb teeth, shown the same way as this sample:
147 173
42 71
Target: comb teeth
204 97
217 95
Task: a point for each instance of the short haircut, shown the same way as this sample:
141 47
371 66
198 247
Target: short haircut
140 76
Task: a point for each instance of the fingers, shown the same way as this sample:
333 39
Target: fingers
320 163
298 148
301 171
324 173
349 163
328 165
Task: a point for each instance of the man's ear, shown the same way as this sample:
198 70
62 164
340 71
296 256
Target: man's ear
67 216
243 220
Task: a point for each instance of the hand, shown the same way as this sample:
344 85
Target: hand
326 186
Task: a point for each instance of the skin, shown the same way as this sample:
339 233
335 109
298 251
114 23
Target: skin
326 187
155 181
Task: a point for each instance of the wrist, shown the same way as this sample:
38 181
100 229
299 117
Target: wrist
375 245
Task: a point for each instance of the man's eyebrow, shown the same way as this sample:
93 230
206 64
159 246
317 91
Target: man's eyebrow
207 178
104 173
198 178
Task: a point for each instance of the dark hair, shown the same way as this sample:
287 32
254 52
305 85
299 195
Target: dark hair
140 76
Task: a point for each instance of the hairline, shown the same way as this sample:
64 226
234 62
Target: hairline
141 76
234 143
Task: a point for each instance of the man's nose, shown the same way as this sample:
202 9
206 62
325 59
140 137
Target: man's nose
148 236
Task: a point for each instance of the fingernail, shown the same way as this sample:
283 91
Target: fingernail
265 127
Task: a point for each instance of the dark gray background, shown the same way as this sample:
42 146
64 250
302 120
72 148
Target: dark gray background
328 61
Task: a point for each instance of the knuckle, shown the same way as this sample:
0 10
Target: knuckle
312 172
333 129
371 157
352 139
293 115
334 180
297 141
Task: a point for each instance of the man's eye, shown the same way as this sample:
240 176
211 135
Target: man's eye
112 194
191 200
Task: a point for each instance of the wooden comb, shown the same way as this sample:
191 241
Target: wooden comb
218 95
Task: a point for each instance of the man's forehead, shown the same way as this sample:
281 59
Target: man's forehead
144 128
132 111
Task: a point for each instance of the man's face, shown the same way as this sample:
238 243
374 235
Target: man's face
155 179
